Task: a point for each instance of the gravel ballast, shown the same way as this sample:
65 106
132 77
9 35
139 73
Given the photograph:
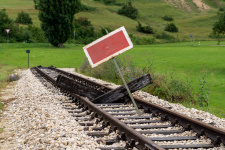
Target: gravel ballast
36 118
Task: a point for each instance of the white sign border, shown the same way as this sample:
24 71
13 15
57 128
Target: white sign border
104 37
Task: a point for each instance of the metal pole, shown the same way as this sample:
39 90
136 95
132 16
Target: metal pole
28 60
128 90
193 41
7 37
74 37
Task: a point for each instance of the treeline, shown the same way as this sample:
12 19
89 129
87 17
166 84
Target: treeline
26 34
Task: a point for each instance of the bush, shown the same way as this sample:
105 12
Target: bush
103 31
145 29
86 8
128 10
109 2
23 18
37 34
84 31
167 18
141 40
166 36
170 89
171 27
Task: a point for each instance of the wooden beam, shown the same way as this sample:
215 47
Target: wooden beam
77 88
121 91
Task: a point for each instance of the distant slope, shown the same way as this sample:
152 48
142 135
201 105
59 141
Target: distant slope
191 16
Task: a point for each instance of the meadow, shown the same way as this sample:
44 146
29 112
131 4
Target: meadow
195 22
178 59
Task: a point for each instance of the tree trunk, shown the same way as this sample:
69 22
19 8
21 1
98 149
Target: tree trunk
60 45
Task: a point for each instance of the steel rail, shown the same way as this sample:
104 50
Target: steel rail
131 134
217 135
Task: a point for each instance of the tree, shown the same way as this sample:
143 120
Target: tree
56 18
23 18
219 27
5 21
128 10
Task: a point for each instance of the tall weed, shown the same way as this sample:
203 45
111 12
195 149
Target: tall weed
166 86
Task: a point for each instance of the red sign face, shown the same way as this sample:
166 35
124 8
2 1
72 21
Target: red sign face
108 47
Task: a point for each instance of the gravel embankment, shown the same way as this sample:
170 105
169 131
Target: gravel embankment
37 120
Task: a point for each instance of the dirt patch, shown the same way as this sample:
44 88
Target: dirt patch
201 5
182 4
6 97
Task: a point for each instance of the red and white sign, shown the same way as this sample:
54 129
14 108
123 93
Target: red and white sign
108 46
7 30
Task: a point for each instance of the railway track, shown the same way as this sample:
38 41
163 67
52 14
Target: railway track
119 127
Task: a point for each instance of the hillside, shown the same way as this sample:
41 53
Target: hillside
194 17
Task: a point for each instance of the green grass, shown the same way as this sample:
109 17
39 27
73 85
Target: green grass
40 54
198 23
180 58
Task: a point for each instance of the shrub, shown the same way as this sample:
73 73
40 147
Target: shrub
109 2
170 89
141 40
86 8
166 36
171 27
167 18
37 34
84 30
23 18
24 36
128 10
145 29
104 32
13 77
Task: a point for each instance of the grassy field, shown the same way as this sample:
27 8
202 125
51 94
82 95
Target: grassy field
181 59
192 21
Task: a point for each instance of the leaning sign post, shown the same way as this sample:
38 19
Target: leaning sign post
108 47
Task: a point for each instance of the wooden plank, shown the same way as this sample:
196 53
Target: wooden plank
107 141
151 127
128 113
103 107
77 88
112 148
82 118
187 146
121 91
161 132
142 121
110 104
75 111
135 117
119 110
86 123
97 134
178 138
